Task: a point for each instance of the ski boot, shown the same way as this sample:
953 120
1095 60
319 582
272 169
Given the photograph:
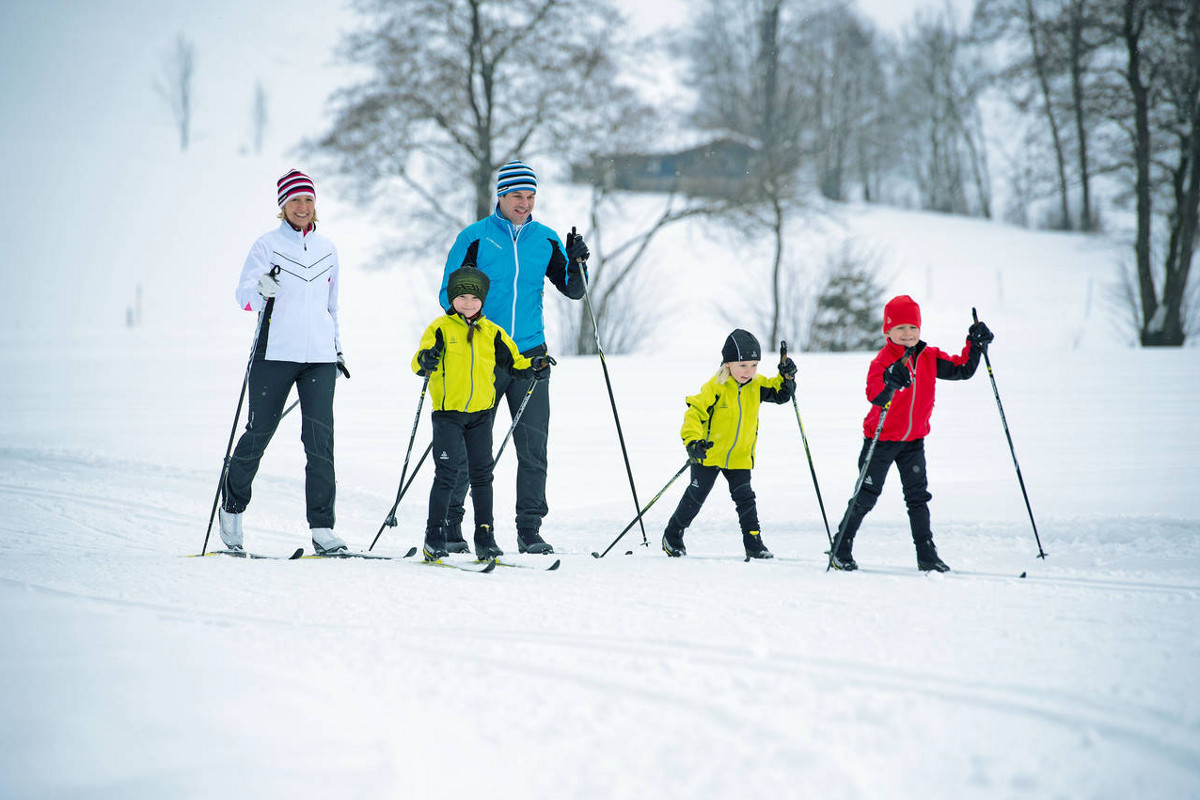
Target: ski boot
454 538
231 529
435 543
325 542
752 541
672 543
485 543
927 557
843 559
530 541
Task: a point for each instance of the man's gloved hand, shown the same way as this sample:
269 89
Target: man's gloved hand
897 376
697 449
341 365
577 250
268 285
541 366
980 335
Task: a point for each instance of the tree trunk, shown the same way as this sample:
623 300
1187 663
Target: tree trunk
1133 26
1076 23
1039 68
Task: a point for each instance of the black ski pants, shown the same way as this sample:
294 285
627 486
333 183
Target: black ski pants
270 383
529 440
697 491
909 458
461 437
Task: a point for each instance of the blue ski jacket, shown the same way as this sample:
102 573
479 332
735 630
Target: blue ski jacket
517 261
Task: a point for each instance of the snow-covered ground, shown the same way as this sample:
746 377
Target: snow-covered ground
130 671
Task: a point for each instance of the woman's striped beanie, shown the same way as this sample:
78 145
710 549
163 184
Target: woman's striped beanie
295 184
515 176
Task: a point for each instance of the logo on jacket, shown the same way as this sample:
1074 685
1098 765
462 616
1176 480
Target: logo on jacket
444 456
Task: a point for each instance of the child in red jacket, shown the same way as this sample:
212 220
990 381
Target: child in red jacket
901 382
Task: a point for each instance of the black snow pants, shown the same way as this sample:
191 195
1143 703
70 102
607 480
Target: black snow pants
909 458
270 383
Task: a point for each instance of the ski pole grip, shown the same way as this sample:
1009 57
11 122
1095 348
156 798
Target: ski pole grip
782 351
974 315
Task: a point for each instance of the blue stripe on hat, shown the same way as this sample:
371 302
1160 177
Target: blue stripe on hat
515 176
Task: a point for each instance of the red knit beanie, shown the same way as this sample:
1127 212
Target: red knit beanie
901 310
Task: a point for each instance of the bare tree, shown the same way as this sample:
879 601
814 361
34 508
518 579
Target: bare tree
459 87
744 56
615 282
842 73
258 116
1161 114
941 132
1049 68
174 86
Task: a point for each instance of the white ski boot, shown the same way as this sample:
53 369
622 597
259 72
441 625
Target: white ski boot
326 542
231 529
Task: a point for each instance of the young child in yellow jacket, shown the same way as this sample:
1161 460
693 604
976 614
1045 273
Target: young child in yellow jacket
720 430
460 352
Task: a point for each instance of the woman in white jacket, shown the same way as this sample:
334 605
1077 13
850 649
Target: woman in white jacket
291 277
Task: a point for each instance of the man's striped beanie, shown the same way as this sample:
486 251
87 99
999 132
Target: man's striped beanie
515 176
295 184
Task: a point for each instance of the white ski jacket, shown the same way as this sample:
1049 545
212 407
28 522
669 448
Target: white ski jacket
303 326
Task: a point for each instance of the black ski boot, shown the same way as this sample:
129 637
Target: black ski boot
752 540
672 543
455 543
485 543
843 559
435 543
927 557
530 541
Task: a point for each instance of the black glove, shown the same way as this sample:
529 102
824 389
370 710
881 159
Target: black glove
341 365
541 366
697 449
429 359
787 368
577 250
897 376
979 335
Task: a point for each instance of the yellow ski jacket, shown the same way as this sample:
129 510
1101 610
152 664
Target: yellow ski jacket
465 378
726 414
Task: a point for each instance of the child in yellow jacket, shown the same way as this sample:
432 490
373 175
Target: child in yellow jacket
720 430
460 352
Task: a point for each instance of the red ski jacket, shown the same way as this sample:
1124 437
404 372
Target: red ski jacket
908 418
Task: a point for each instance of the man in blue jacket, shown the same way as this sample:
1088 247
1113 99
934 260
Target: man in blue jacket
518 255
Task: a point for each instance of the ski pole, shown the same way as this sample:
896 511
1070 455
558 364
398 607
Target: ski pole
1011 449
264 314
390 520
862 474
587 301
638 518
516 418
807 452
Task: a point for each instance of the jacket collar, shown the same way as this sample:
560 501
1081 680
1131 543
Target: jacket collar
506 223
